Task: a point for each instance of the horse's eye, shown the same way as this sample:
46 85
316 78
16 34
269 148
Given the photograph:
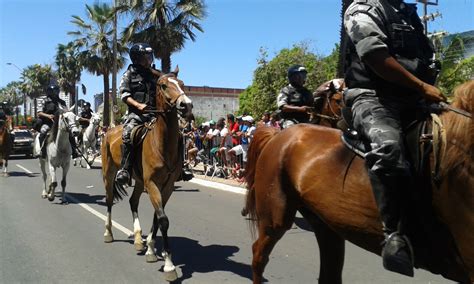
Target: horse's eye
163 86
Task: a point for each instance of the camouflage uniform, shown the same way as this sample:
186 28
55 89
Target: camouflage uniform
295 96
140 84
382 109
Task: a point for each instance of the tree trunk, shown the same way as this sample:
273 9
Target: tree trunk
166 63
106 114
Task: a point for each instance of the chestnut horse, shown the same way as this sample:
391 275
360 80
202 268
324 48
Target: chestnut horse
5 146
328 103
157 165
332 191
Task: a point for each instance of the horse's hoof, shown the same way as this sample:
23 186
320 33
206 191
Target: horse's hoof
139 246
108 239
51 197
244 212
151 258
170 276
43 196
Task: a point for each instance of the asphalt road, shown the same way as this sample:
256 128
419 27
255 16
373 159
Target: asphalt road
44 242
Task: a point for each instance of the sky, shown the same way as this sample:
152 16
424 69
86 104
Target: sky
225 55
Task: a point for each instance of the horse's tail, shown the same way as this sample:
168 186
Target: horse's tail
118 191
261 137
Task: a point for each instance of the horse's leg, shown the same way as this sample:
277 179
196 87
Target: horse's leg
54 183
150 254
331 249
276 216
5 167
63 182
44 194
109 200
137 230
163 222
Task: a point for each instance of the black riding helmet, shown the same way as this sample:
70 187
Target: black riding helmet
139 51
52 89
295 69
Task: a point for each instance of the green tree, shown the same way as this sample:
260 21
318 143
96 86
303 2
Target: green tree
11 93
35 80
271 76
165 25
95 40
455 70
69 68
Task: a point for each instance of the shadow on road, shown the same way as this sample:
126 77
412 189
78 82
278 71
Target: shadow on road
193 257
86 198
22 174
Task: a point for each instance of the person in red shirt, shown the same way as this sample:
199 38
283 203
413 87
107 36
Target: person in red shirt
233 127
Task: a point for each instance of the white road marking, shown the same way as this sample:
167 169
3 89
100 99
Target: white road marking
119 227
219 186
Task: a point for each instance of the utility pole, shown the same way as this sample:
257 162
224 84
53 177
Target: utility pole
428 17
114 69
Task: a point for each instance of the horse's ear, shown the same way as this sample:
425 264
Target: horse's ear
332 87
176 71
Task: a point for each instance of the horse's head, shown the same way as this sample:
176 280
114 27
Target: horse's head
95 119
328 101
70 122
171 88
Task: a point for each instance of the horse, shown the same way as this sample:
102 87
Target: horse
58 152
88 146
331 189
328 103
326 110
5 146
157 165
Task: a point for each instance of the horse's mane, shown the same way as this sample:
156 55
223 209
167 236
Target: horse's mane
54 130
459 133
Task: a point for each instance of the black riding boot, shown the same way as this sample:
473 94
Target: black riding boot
41 138
75 152
123 175
397 253
186 173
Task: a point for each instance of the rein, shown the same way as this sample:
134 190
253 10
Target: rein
447 107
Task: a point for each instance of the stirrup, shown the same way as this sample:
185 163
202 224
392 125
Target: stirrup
392 260
122 177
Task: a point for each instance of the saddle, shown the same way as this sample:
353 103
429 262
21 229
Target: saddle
139 132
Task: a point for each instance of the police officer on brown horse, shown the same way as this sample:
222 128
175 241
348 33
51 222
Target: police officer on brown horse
389 72
137 90
294 100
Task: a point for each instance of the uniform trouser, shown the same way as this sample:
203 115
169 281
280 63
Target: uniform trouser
287 122
381 123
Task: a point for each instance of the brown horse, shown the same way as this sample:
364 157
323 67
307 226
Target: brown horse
5 146
157 165
332 191
328 103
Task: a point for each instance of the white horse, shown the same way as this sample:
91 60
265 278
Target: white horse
58 152
89 142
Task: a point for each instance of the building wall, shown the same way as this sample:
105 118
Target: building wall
213 103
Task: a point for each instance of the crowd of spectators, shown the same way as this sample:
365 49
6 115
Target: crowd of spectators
221 147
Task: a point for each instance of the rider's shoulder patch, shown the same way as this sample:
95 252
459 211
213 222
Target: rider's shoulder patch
360 6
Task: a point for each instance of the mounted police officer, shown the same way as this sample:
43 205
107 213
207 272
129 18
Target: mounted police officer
294 101
52 104
137 90
388 74
84 118
5 112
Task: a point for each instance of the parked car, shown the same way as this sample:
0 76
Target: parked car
23 143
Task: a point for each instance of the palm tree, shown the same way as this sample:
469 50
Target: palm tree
95 39
69 68
165 25
35 80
